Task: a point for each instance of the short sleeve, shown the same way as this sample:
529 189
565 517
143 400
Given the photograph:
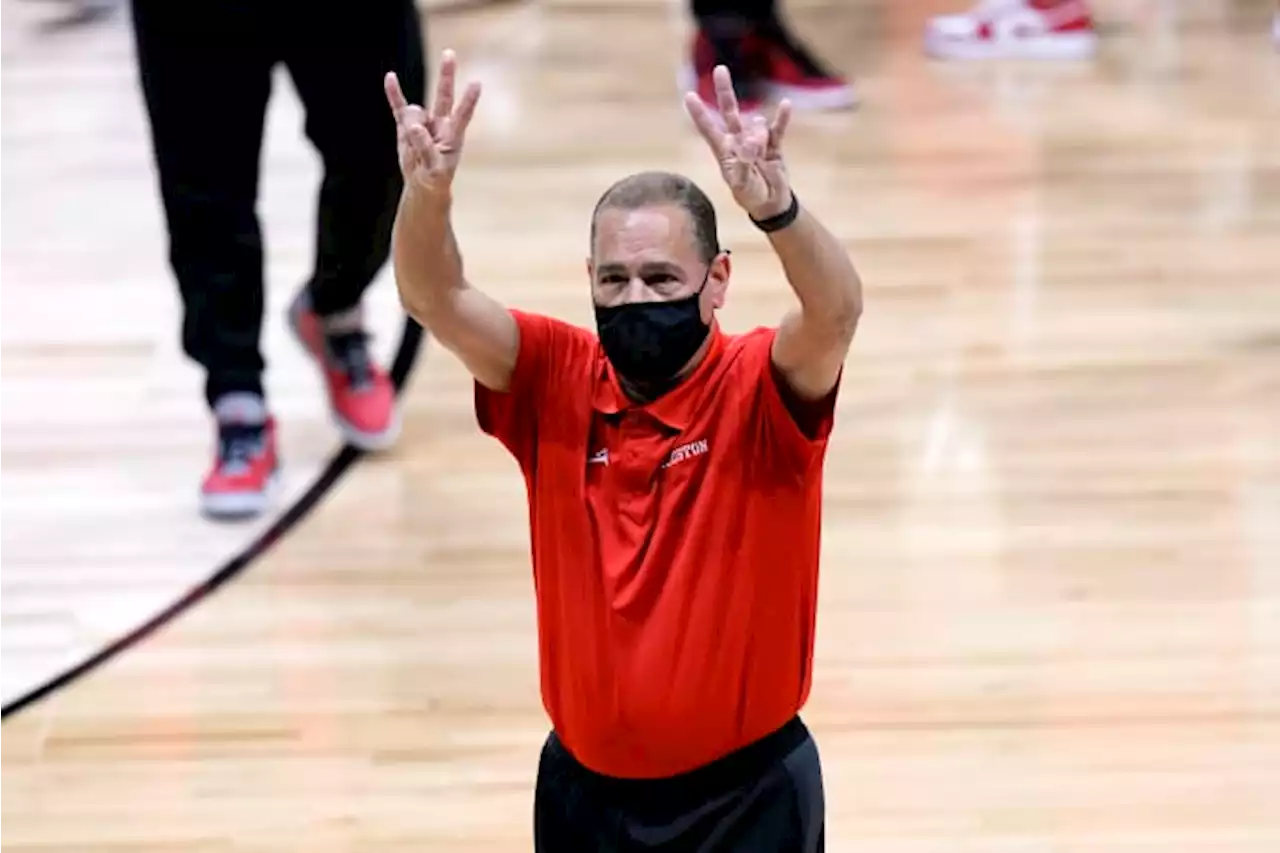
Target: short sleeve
548 348
793 428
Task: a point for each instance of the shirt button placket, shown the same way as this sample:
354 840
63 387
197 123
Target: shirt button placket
633 477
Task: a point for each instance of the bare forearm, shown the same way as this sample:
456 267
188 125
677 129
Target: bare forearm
433 289
425 255
820 272
812 342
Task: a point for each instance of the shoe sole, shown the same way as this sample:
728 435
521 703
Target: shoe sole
1064 46
808 98
238 506
360 439
371 442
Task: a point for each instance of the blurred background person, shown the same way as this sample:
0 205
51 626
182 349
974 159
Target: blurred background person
766 60
206 74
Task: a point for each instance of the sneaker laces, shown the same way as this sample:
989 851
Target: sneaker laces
237 445
350 353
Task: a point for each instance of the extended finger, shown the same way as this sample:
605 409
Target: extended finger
395 95
726 99
779 126
444 85
705 121
466 109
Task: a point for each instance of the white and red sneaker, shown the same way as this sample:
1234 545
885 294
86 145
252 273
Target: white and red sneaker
1015 29
245 466
362 398
792 72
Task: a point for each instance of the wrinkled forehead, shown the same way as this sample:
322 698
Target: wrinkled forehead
658 234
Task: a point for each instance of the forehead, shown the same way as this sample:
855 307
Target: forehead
647 233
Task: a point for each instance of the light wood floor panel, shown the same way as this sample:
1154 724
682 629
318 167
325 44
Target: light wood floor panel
1050 606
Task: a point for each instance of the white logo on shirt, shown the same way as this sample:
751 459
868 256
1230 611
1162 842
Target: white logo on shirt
680 454
686 451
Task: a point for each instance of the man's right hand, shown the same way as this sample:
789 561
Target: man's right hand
427 262
430 143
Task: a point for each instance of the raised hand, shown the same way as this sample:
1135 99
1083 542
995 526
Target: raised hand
748 149
430 143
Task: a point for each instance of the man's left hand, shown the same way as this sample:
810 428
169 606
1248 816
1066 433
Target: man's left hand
748 150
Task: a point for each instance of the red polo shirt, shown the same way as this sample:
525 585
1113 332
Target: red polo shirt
675 547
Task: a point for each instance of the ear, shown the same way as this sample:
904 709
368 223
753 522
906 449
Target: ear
718 281
591 270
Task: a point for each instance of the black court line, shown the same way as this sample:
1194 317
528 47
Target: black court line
406 355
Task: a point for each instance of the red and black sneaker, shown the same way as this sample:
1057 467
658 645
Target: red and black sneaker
792 72
724 42
245 467
362 398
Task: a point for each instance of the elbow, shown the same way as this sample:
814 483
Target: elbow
843 317
427 301
415 313
420 303
412 305
834 321
851 313
838 308
833 328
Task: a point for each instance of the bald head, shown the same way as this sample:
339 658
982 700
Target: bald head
654 189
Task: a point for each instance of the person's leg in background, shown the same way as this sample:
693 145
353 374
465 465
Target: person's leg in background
723 36
338 58
1015 29
765 59
206 77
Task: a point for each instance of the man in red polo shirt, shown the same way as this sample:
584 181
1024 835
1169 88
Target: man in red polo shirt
674 475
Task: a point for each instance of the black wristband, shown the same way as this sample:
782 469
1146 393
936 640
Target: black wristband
782 220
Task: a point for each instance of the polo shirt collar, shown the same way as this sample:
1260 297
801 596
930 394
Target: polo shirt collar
676 408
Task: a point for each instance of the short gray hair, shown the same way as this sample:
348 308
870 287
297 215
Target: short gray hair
645 189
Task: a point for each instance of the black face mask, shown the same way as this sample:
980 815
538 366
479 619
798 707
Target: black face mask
649 342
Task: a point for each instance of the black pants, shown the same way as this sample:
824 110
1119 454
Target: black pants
206 71
755 9
764 798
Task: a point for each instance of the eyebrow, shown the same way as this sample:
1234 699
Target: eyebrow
648 268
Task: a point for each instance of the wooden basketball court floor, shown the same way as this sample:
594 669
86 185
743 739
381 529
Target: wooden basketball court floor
1050 606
